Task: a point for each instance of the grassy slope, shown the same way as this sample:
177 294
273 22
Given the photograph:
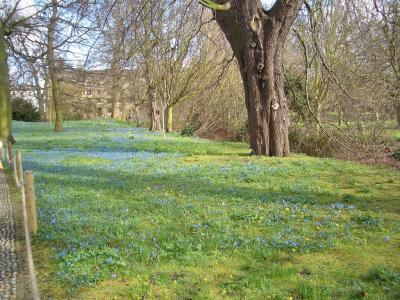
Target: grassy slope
124 214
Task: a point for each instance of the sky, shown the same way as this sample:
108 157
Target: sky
267 4
26 5
26 8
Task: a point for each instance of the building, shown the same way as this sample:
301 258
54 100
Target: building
26 92
89 94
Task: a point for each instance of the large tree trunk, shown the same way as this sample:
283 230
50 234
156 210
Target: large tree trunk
53 71
266 104
5 99
257 38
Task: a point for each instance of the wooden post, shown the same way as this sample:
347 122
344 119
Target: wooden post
31 201
9 148
20 171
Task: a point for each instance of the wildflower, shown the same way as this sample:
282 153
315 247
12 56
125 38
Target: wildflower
113 276
62 253
109 260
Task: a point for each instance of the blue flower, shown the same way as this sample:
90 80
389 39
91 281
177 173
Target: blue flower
62 253
109 260
293 243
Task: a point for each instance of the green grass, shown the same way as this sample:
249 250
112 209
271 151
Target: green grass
392 132
396 134
124 214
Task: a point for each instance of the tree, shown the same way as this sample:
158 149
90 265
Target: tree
151 34
114 46
67 24
52 67
5 100
257 37
11 24
184 67
389 24
24 110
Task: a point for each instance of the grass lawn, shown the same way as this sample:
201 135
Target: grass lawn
392 131
396 134
124 214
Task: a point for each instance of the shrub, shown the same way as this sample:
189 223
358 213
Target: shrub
23 110
396 155
240 133
187 131
310 142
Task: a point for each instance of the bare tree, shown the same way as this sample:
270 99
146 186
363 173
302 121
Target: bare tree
388 15
65 27
12 23
184 67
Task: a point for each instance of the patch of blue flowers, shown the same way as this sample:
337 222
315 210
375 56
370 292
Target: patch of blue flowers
112 197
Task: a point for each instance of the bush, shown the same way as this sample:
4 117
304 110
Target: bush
240 133
396 155
310 142
23 110
187 131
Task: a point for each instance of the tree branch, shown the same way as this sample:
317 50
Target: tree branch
213 5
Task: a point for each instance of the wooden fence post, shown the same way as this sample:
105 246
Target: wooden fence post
31 201
20 171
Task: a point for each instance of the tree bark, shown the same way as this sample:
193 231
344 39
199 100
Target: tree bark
53 72
5 99
169 118
257 38
115 103
40 93
398 115
154 111
138 120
